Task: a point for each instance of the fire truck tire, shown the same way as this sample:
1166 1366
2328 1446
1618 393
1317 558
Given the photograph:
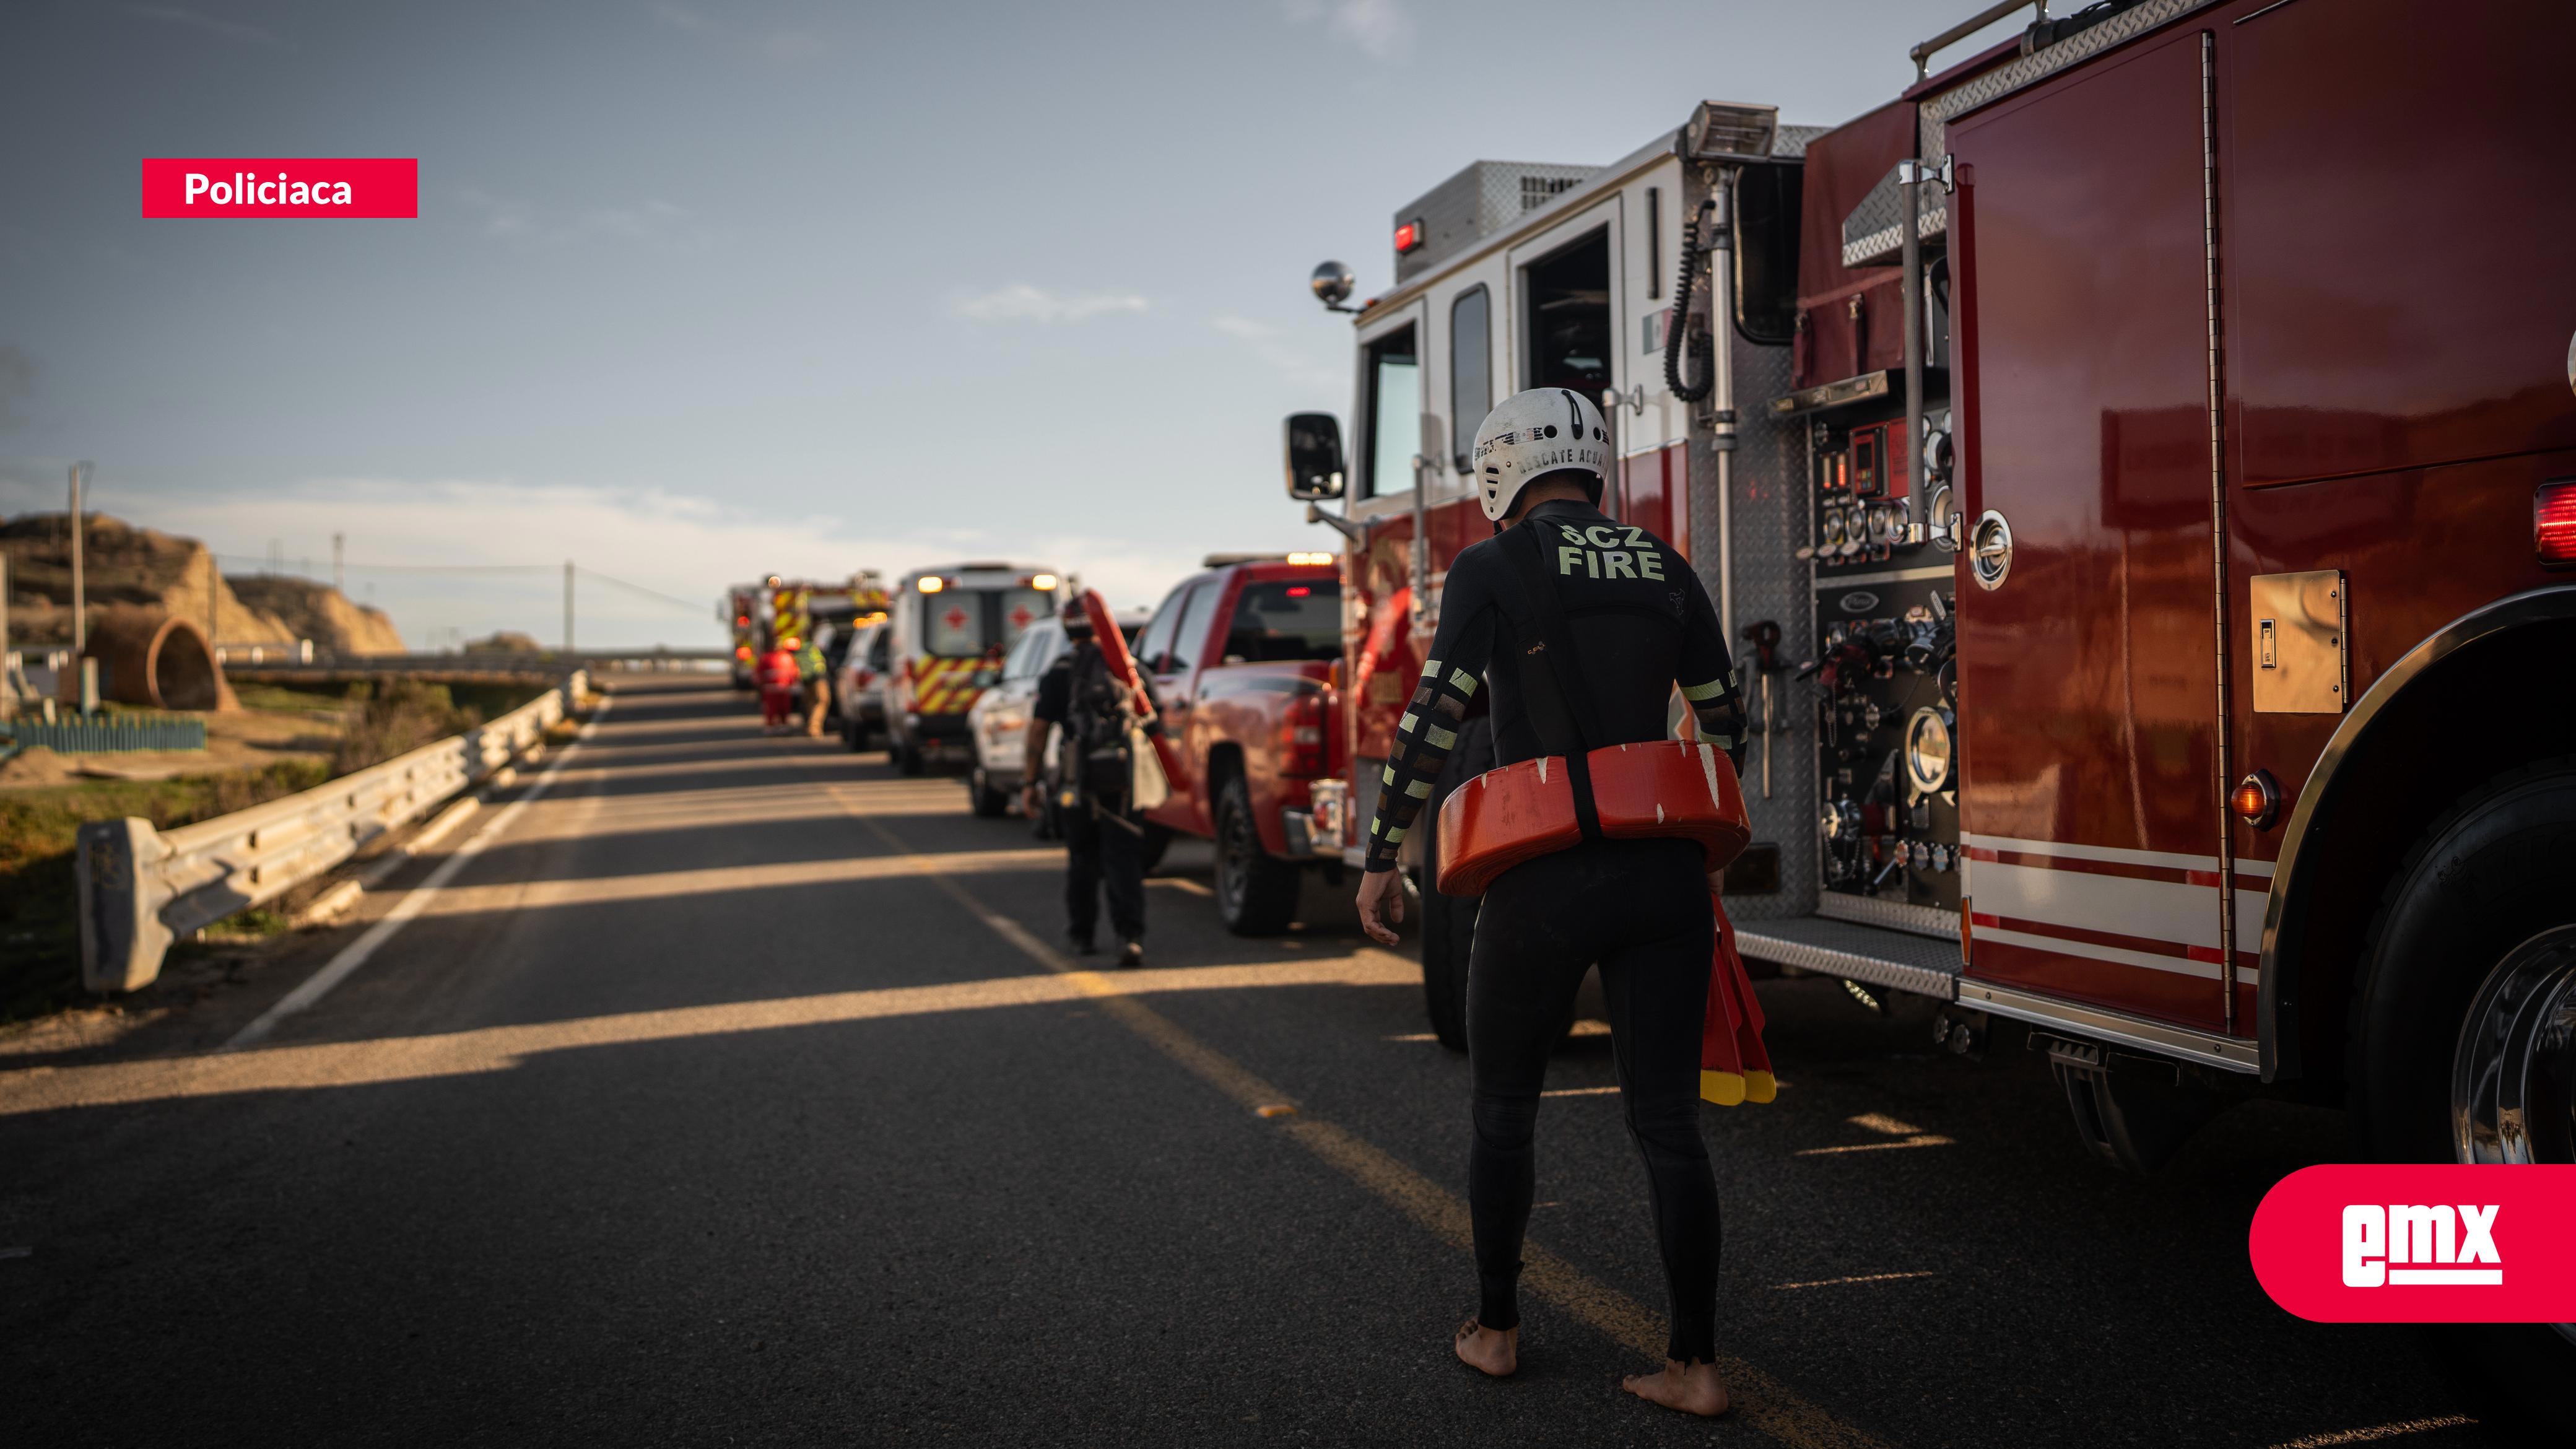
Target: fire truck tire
1149 852
2483 895
988 800
1256 892
907 756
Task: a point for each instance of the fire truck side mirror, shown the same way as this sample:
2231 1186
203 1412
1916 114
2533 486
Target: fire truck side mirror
1315 468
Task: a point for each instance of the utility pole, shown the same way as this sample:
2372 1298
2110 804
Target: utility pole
338 583
214 603
80 591
567 606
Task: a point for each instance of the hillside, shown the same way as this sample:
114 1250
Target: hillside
154 570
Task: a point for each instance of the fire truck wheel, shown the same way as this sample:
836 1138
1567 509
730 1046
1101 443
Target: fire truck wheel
907 756
1149 852
2454 1015
1256 892
990 803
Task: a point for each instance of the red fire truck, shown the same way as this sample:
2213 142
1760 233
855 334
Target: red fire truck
2138 463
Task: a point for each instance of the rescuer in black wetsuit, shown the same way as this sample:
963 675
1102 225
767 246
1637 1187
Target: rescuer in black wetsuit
1639 622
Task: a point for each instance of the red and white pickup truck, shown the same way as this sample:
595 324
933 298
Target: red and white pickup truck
1243 658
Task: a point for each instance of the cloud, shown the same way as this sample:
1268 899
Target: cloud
1380 28
782 46
652 222
1305 369
477 555
682 17
207 24
1021 302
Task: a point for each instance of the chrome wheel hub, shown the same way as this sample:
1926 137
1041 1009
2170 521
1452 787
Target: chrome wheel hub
2513 1075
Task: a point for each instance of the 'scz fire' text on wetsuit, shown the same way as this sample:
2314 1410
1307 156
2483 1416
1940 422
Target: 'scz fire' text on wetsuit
1641 622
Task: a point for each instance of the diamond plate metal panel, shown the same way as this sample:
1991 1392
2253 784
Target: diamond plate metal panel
1874 233
1860 953
1933 117
1769 516
1486 197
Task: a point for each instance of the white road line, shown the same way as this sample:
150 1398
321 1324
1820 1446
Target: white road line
355 954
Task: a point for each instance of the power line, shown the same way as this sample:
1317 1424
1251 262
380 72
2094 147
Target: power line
674 600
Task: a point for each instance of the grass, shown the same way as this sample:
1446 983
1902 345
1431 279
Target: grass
39 898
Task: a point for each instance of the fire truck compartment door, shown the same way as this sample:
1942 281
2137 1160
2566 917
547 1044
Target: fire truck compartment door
2087 692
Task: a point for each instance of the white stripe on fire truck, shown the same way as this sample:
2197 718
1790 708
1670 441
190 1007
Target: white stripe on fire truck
2165 858
2116 955
2141 910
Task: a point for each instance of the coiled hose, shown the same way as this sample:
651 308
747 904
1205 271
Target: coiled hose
1681 317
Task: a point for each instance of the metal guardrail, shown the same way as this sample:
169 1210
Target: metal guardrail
141 888
457 668
107 732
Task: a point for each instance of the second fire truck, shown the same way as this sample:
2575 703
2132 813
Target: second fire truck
2137 465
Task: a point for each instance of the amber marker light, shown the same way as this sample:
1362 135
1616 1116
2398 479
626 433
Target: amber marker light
931 584
1042 582
2257 800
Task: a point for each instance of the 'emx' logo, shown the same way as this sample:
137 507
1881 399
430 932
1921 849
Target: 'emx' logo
2436 1246
2426 1243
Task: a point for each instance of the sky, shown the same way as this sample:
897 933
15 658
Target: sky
700 292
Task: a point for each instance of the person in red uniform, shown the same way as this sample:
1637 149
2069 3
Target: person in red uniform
777 675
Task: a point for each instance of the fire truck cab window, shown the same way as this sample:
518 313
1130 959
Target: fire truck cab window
1156 642
1394 371
1278 620
1471 370
1568 301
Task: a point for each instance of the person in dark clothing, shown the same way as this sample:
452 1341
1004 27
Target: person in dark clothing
1638 622
1104 840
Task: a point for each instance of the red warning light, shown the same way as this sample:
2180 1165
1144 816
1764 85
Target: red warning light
1409 237
1298 591
2553 522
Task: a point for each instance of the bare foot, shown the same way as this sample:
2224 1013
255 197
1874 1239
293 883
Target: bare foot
1692 1388
1493 1351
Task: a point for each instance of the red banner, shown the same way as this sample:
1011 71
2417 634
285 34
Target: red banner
2420 1244
329 186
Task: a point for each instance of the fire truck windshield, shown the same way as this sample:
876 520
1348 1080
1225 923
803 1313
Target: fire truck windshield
1286 619
1394 413
967 623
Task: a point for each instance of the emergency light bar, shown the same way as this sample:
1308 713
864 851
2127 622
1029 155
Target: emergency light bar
931 583
1042 582
1311 558
1409 237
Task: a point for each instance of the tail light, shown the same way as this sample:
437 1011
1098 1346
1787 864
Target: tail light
2553 522
1301 735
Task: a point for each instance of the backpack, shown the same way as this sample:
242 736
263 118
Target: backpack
1098 726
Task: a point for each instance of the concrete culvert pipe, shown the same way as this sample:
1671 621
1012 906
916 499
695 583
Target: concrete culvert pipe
159 660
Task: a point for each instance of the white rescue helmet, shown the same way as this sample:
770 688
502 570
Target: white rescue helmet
1544 430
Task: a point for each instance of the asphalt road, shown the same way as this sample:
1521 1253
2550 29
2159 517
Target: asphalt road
734 1093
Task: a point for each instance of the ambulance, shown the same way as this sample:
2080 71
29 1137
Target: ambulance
948 628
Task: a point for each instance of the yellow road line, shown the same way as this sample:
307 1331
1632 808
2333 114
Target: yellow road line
2378 1432
1760 1400
1861 1278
